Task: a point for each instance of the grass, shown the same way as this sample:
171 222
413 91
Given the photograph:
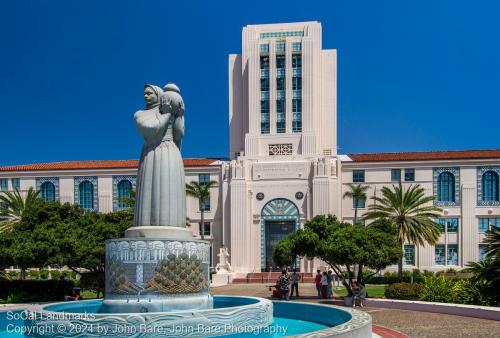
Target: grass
373 291
89 294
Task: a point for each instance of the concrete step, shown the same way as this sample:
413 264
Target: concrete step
269 277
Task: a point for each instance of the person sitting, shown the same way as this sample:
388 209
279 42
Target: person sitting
284 283
276 291
74 295
359 294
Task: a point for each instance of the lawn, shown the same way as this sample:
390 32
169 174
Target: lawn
373 291
88 294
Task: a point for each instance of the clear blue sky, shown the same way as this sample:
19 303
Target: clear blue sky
412 75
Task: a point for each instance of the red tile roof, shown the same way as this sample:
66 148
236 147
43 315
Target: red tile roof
103 164
427 156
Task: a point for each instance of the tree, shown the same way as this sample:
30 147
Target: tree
13 205
489 269
492 242
30 241
357 193
64 234
129 201
340 245
410 212
284 251
200 191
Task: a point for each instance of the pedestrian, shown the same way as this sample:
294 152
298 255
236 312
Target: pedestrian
324 285
294 283
317 280
284 282
330 284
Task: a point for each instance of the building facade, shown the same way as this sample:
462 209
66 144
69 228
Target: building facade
283 167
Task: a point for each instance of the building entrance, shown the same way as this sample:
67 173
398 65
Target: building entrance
279 217
275 231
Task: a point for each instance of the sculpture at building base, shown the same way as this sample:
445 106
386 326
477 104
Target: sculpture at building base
224 270
223 266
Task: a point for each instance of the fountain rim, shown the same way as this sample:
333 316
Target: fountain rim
160 239
41 308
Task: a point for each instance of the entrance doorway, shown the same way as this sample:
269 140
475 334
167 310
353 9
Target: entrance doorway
278 218
276 231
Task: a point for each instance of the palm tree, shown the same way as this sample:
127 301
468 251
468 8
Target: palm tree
486 269
409 211
13 205
492 242
200 191
358 193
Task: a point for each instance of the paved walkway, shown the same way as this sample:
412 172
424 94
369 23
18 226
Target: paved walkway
412 323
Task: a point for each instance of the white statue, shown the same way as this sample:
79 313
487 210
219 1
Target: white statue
223 266
161 188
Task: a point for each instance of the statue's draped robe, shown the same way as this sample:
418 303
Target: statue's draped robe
161 188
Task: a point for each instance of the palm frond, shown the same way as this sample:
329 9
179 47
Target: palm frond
13 205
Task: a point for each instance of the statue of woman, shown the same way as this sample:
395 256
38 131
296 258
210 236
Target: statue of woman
161 189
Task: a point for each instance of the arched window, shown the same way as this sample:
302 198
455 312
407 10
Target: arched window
490 186
48 191
124 188
446 187
86 195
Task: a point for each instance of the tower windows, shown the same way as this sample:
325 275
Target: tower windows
297 93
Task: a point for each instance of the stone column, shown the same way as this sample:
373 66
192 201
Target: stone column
468 233
239 224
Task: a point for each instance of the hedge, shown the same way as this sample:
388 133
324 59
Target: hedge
16 291
444 290
405 291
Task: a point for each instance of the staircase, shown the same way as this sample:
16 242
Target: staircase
270 278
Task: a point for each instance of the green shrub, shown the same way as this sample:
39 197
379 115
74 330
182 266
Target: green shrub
427 273
33 274
392 277
14 274
403 291
437 289
44 274
92 281
55 274
476 292
34 290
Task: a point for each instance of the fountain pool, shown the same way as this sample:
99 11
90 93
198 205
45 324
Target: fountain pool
286 319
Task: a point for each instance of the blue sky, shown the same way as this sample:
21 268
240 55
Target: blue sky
412 75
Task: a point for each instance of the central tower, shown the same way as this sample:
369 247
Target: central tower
283 87
283 140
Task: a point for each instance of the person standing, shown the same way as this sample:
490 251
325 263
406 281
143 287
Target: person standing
294 283
317 280
324 285
330 284
284 282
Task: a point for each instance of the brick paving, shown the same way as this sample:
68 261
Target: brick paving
385 332
412 323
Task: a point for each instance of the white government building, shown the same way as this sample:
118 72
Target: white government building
284 167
